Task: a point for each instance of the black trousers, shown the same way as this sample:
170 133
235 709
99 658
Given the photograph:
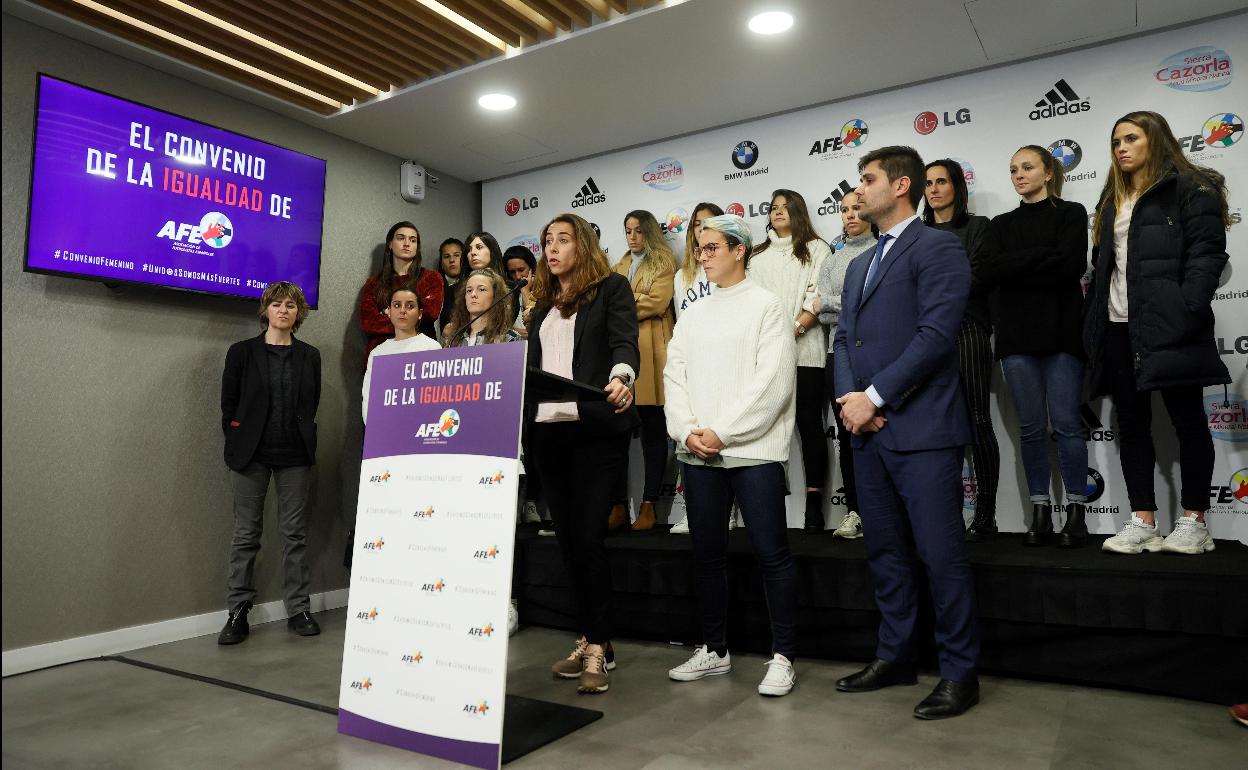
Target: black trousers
975 366
845 452
578 468
654 453
1185 406
809 418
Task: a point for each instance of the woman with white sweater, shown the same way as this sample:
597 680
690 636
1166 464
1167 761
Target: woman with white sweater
788 264
729 383
856 238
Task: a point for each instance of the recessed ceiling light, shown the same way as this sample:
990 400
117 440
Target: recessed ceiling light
771 23
497 102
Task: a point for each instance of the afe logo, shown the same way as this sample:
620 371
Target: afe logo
484 632
477 709
363 685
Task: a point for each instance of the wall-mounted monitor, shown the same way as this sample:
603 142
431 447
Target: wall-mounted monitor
121 192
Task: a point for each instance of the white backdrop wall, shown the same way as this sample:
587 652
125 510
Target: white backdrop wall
979 119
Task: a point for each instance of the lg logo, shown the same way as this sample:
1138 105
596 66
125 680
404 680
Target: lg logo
927 122
514 206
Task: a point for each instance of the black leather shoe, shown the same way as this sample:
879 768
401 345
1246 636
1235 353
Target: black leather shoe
1075 531
949 699
814 523
303 624
983 527
879 674
236 628
1040 529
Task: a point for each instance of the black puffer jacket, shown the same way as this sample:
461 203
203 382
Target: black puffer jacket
1176 250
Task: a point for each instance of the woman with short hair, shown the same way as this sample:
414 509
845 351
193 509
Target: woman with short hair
270 391
730 381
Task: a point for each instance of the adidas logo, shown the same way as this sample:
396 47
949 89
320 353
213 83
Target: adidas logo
1061 99
589 195
832 203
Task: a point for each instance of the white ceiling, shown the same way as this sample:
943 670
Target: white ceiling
690 66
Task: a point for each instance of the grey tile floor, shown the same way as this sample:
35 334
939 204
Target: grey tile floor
105 714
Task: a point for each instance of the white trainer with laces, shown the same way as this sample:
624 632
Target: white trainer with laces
1135 536
704 663
851 527
531 516
682 527
1189 536
780 677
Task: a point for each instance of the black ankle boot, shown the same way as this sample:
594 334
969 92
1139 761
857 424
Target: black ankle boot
1041 527
814 511
1075 532
983 526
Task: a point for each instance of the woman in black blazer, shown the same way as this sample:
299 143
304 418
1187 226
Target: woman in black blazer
584 327
270 390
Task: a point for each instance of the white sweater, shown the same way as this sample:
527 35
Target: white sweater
777 270
730 368
388 348
688 292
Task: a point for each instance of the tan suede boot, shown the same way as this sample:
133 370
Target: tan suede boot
645 517
618 517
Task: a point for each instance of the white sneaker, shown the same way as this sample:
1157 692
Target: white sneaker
780 677
513 618
703 663
682 527
1189 536
1135 536
851 527
531 516
735 519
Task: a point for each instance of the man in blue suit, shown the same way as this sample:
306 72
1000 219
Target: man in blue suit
897 373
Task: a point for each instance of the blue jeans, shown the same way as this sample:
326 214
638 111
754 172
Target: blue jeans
1047 389
760 491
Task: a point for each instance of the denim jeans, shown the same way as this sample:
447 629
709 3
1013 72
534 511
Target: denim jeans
760 491
1047 389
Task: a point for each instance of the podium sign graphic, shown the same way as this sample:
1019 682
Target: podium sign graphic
425 656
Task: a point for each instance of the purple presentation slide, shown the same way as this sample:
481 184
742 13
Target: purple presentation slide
124 192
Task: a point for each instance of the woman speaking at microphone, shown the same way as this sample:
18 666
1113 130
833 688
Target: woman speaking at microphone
584 327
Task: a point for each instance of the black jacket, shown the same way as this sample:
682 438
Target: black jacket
245 397
606 335
1176 251
972 235
1034 259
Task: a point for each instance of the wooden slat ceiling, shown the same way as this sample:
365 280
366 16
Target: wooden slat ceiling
367 46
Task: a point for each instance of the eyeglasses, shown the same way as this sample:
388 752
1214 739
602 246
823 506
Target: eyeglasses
708 250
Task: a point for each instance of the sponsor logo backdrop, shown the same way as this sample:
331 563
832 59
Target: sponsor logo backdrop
1066 103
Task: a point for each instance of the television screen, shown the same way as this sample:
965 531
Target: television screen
123 192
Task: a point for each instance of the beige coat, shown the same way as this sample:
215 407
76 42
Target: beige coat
655 319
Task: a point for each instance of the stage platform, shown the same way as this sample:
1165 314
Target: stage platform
1163 623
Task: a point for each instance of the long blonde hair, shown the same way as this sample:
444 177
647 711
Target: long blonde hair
1164 153
659 256
690 268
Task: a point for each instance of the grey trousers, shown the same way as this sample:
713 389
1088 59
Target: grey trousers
250 486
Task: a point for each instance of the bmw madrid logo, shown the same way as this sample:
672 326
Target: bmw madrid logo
745 154
1067 152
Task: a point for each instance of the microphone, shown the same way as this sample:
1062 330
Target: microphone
467 327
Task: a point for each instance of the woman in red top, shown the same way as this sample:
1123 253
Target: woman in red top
399 265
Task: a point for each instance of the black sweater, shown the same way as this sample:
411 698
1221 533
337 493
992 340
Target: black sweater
1034 259
972 234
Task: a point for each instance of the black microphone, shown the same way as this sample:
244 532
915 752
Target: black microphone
467 327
